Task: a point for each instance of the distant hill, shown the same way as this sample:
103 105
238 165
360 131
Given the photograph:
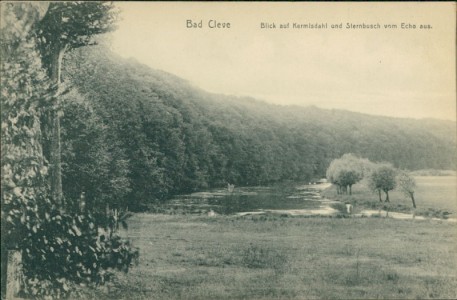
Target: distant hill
192 139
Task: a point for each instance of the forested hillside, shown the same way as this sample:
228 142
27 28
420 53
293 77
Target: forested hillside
135 135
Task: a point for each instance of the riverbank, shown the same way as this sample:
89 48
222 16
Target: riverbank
435 198
273 256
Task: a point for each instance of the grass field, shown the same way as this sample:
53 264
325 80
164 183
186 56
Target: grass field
437 191
280 257
272 257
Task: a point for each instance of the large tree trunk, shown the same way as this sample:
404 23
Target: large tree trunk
379 194
387 196
56 162
350 189
55 151
412 199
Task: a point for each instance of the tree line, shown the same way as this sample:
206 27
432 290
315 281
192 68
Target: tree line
167 137
349 169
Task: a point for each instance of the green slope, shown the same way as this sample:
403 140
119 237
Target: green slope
179 138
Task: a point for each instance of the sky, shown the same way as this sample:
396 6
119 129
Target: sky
402 72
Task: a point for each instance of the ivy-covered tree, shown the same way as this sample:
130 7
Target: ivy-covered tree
23 89
66 26
58 249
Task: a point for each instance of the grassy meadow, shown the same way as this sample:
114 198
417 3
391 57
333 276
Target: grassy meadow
272 257
280 257
437 191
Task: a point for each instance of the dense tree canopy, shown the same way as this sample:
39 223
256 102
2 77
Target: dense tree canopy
70 25
176 138
93 163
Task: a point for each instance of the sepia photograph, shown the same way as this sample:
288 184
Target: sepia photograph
228 150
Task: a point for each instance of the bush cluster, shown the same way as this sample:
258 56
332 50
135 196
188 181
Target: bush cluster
63 250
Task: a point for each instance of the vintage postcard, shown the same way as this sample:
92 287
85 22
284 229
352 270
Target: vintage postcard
228 150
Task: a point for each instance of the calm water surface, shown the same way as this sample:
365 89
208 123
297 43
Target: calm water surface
280 198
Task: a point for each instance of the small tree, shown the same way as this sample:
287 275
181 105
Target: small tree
372 185
345 172
349 177
407 185
383 178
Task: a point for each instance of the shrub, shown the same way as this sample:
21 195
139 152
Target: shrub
61 251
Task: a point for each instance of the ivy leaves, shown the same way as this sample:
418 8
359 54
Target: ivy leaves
68 249
60 250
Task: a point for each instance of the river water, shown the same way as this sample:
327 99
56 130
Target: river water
291 199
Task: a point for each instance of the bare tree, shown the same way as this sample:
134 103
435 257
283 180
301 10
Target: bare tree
407 185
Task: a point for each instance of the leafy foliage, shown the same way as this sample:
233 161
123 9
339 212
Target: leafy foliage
70 249
347 171
383 178
23 93
69 25
66 26
59 249
380 177
92 161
